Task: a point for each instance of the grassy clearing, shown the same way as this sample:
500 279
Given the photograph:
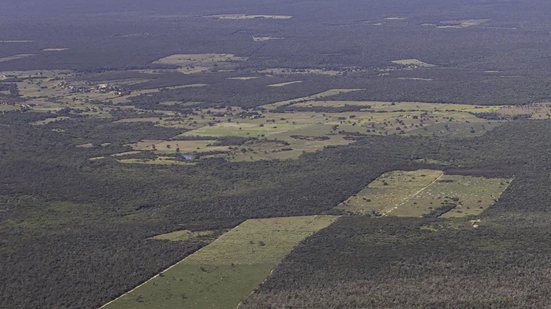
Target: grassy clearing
317 96
182 235
243 78
248 17
285 84
190 59
16 41
243 129
173 147
416 78
405 106
161 160
470 195
529 111
388 192
411 118
288 135
413 63
16 57
8 107
226 271
54 49
50 120
426 192
265 38
311 71
200 63
456 129
188 70
465 23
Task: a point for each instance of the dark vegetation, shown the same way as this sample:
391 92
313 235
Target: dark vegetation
502 61
74 233
55 204
384 262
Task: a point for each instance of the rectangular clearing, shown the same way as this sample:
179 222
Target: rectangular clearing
456 196
389 191
426 193
226 271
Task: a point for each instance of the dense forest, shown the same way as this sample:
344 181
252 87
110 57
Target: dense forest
76 232
365 262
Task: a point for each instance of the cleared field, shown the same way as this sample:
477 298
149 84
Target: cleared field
426 193
182 235
8 108
54 49
16 41
464 195
413 63
395 18
243 78
226 271
289 71
465 23
248 17
388 192
416 78
243 129
157 161
412 118
456 129
265 38
123 154
200 63
285 84
317 96
190 59
292 149
190 69
403 106
50 120
192 146
16 57
529 111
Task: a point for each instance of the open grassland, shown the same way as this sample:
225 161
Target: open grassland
265 38
426 193
465 23
463 195
244 129
243 78
413 63
200 63
287 135
160 160
55 49
413 118
285 84
15 57
185 59
182 235
277 131
226 271
249 17
8 107
173 147
390 191
403 106
62 91
311 71
317 96
529 111
278 136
